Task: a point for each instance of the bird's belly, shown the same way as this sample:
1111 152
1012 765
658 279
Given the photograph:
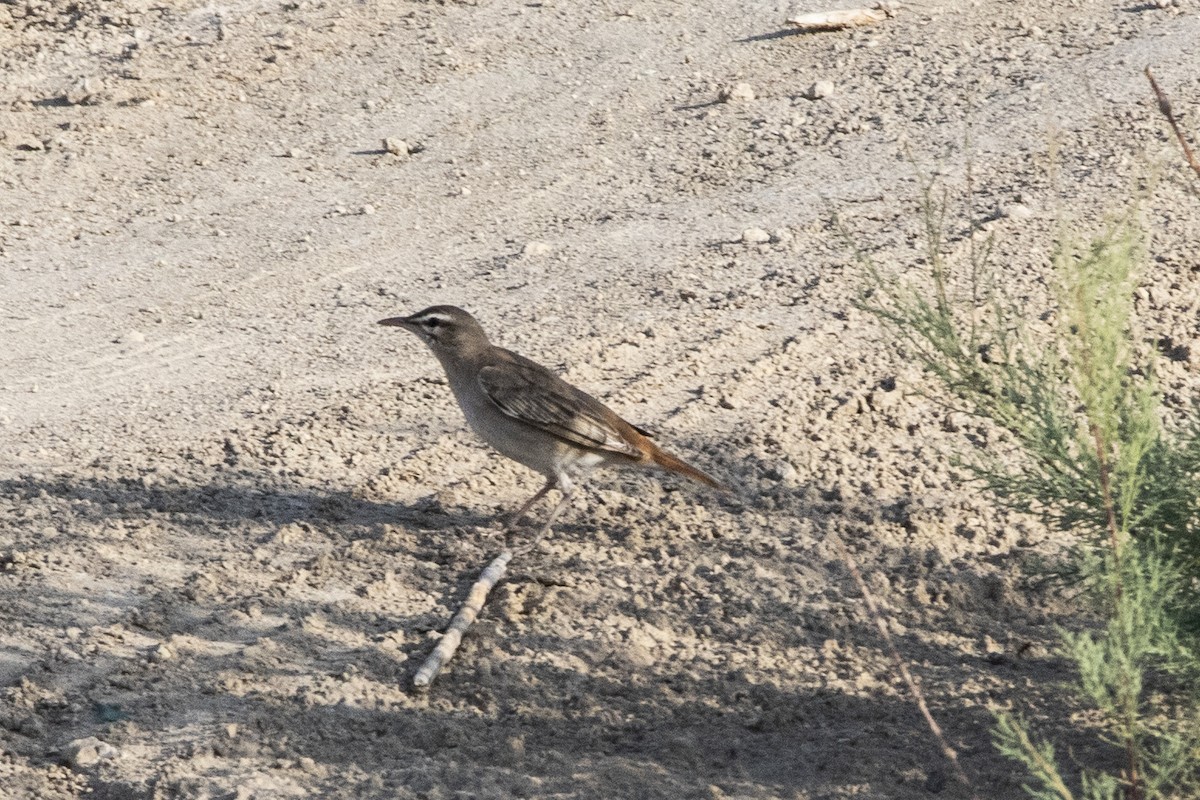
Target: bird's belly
511 438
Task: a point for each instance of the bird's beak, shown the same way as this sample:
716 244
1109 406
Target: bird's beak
399 322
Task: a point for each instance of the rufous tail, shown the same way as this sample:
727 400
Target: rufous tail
672 464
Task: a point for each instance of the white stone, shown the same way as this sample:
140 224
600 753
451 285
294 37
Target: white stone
738 93
820 89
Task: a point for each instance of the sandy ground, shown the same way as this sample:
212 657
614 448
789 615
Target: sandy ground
236 512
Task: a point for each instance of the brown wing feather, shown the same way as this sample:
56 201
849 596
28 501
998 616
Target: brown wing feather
531 393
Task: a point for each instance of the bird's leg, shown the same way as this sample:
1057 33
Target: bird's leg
532 543
566 498
523 510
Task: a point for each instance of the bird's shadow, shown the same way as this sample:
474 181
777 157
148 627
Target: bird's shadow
676 718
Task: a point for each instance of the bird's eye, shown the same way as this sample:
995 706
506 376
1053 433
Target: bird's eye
432 322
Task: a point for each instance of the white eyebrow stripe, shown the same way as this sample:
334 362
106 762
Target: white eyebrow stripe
431 317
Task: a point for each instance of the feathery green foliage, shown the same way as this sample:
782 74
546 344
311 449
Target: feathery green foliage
1011 737
1096 460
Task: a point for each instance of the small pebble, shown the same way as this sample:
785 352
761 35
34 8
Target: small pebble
1016 211
397 147
535 249
516 747
133 337
87 752
755 236
368 209
83 93
783 472
738 93
67 654
819 89
295 152
886 401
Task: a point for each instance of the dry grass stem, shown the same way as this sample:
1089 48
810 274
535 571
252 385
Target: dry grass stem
1164 105
918 695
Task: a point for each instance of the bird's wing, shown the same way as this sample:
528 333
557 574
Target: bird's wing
532 394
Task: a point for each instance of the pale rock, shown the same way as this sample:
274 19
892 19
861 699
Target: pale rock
819 90
397 147
88 752
535 248
737 93
755 236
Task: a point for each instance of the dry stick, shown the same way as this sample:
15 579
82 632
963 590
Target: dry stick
488 579
1164 105
917 694
462 620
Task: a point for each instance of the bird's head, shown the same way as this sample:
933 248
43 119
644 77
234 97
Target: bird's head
448 330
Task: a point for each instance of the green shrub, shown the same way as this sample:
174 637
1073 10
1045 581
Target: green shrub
1096 460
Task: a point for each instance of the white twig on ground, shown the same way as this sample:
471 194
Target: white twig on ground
845 18
444 651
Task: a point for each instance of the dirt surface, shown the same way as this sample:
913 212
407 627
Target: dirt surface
236 512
